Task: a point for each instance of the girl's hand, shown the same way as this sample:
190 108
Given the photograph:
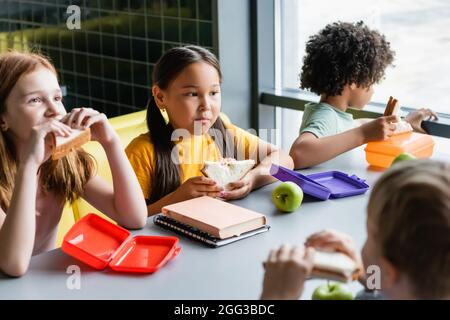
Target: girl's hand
197 187
239 189
82 118
286 271
331 240
415 118
40 144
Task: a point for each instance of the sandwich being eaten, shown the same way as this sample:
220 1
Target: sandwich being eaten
227 170
334 266
392 108
61 146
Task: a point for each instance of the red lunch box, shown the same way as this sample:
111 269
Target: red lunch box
100 243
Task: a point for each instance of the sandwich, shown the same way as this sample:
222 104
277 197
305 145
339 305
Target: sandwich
392 108
401 127
334 266
61 146
227 170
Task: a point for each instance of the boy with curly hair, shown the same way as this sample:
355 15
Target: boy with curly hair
342 64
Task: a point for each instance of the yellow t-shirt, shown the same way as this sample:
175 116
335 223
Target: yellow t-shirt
192 152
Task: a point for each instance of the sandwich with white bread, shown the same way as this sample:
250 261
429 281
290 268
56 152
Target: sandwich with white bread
227 170
334 266
392 108
61 146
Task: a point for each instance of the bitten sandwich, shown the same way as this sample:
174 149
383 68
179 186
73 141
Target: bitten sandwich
227 170
334 266
61 146
392 108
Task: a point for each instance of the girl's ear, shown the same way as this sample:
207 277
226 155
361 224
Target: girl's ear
158 95
353 86
390 274
3 124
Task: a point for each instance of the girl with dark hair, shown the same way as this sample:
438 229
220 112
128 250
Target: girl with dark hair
169 158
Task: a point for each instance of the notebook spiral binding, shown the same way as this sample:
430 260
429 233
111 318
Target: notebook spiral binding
196 234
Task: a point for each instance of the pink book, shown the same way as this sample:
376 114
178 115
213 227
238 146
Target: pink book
218 218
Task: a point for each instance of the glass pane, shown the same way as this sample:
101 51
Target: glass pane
116 48
416 29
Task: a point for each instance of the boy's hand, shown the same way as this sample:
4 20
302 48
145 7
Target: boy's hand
415 118
331 240
286 271
379 129
197 187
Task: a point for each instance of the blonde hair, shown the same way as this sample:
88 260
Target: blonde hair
410 209
66 177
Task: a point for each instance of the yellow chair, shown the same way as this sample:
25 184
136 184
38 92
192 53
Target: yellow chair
127 127
126 134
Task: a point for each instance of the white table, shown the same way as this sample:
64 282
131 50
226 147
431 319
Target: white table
231 272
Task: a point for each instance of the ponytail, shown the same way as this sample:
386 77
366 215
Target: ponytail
167 175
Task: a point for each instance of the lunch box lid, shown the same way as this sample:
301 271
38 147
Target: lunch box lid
323 185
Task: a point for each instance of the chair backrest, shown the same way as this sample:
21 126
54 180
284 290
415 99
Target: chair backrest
127 127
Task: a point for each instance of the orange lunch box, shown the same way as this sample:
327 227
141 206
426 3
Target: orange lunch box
382 153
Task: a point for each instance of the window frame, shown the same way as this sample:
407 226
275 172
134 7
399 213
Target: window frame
267 96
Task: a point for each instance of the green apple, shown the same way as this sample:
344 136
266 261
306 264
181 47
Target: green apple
332 291
405 156
287 196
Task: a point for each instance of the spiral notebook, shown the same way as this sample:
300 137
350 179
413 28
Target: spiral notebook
198 235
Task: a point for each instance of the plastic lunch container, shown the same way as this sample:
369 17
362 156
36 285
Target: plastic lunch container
382 153
99 243
324 185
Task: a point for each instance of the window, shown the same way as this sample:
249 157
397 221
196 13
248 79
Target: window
416 29
107 63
